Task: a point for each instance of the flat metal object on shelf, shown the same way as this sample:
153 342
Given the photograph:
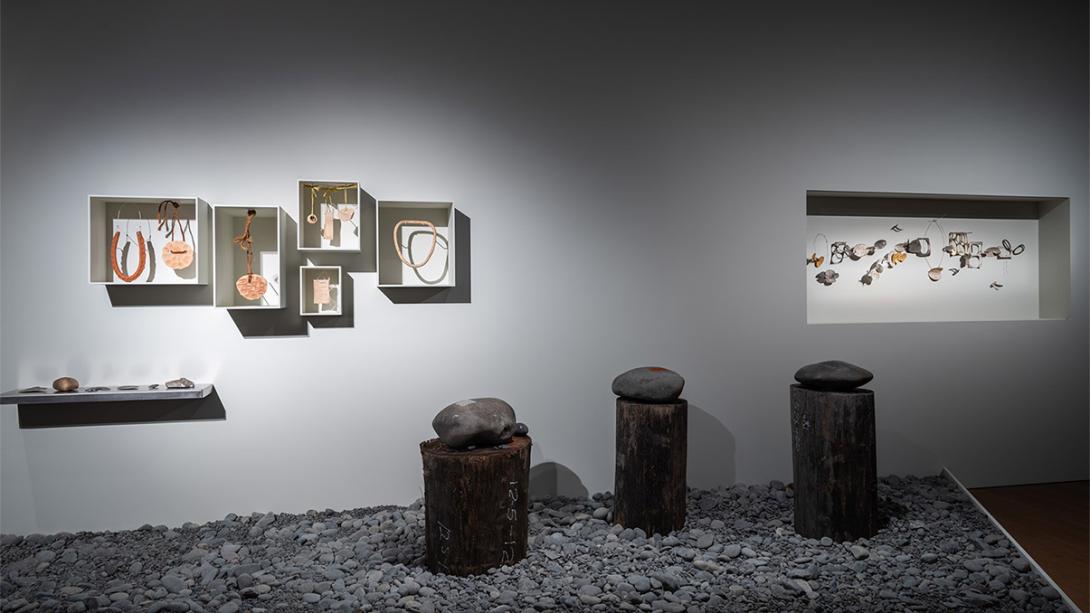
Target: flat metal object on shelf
143 393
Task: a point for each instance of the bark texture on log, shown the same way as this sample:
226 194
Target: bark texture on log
835 466
476 511
649 484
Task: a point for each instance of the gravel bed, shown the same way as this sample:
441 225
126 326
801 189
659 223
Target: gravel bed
737 553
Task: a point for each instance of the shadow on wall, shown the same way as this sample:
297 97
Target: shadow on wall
160 295
550 479
111 413
462 292
711 451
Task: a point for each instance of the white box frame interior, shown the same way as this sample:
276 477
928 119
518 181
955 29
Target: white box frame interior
230 263
392 272
1046 218
307 274
309 235
141 211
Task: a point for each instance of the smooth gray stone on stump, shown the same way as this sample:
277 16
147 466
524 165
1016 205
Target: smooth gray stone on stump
835 464
476 513
649 484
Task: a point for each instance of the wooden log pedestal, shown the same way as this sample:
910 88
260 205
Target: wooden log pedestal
649 485
836 473
475 506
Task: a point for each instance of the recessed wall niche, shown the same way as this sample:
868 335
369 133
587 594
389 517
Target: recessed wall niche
233 262
128 246
415 244
895 257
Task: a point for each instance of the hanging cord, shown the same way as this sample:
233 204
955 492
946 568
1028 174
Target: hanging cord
246 242
161 216
814 259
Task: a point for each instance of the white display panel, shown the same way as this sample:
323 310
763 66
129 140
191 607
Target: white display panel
1000 289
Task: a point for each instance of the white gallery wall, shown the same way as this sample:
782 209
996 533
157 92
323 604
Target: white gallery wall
635 182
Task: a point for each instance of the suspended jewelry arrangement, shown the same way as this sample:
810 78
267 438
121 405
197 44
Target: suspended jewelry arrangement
250 286
118 268
331 203
966 254
177 254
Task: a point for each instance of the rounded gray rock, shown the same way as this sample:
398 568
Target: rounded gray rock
649 384
475 422
833 376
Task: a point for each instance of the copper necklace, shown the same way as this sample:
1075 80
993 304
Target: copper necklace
250 286
117 266
176 254
397 243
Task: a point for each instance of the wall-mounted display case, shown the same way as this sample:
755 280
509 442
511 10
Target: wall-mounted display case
415 243
329 216
233 281
128 247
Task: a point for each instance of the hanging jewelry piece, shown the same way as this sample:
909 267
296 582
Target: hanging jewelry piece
814 258
113 254
827 277
321 292
312 218
924 250
397 242
897 228
327 223
250 286
324 194
176 254
837 251
996 285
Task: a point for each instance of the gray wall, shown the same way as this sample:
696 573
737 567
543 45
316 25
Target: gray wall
635 182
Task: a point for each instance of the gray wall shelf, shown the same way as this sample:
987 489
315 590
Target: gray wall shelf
142 393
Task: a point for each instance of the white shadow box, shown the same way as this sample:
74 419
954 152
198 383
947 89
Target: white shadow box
320 290
266 232
127 246
415 244
329 216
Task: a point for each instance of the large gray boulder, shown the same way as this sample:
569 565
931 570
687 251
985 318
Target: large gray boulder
475 422
833 376
649 384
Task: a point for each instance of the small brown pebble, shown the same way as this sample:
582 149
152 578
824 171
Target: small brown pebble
66 384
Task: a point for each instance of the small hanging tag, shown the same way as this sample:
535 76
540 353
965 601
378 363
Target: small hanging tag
346 212
321 292
327 224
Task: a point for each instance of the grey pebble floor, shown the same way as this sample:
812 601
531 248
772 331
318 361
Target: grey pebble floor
737 553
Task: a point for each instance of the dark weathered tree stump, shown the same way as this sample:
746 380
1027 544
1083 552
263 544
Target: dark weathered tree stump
836 472
649 485
475 506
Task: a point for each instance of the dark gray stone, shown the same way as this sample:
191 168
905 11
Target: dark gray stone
649 384
475 422
521 429
833 376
